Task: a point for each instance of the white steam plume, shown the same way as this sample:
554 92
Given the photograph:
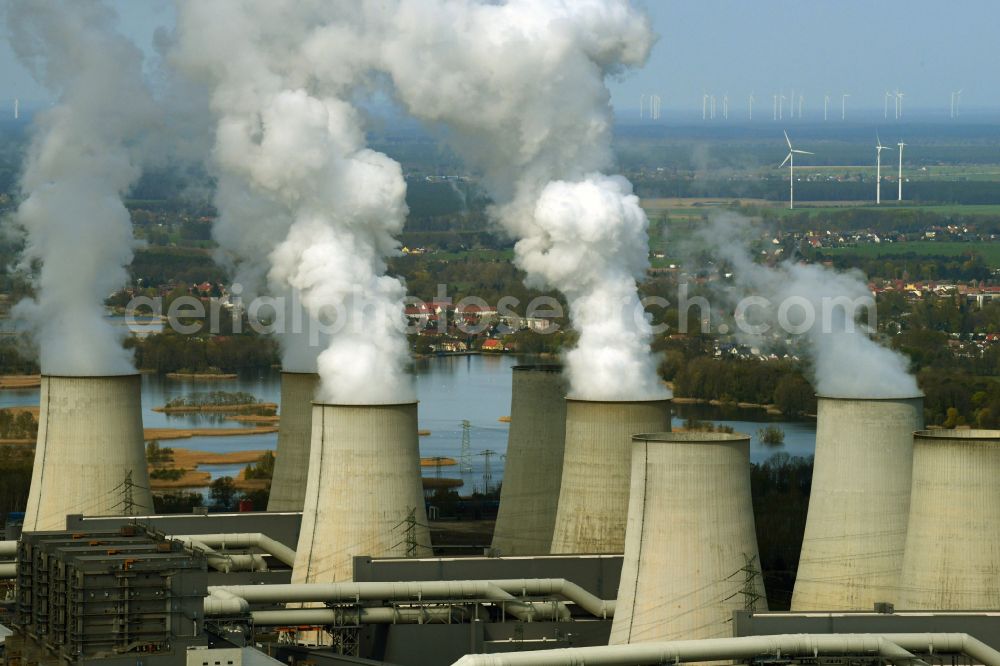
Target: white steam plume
79 163
288 138
845 361
519 89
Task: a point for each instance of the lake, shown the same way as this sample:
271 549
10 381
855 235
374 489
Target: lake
451 389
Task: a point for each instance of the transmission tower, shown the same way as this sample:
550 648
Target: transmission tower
749 588
128 499
487 469
411 533
466 459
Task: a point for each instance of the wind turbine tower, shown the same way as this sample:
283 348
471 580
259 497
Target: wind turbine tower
900 144
878 168
826 104
899 105
775 108
750 105
790 160
17 108
885 105
843 106
781 106
725 106
704 106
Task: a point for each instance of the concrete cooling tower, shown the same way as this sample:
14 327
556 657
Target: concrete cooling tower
533 471
364 494
593 495
953 539
291 464
90 456
690 546
852 550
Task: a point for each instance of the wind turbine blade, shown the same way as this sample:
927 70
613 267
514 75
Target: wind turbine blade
787 140
803 152
787 157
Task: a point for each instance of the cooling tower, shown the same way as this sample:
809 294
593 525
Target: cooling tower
593 494
291 464
690 546
90 456
953 539
533 470
363 495
852 550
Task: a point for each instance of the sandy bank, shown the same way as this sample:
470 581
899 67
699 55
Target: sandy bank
20 381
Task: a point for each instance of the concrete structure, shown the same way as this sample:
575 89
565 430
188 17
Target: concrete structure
593 496
691 549
533 471
953 539
89 457
852 550
364 494
291 463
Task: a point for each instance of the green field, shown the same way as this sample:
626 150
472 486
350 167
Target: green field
990 252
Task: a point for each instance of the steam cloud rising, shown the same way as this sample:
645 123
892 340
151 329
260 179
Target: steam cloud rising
79 163
300 194
519 90
845 361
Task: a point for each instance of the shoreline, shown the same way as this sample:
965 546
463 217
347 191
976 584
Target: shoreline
191 409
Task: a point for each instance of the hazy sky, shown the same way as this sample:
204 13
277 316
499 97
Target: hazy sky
926 48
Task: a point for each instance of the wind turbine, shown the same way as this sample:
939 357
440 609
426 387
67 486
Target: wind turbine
899 105
704 105
900 144
885 104
750 105
781 106
956 103
17 108
790 160
725 106
826 103
775 107
878 168
843 106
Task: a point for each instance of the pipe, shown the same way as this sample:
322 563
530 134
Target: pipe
494 590
8 569
8 548
339 617
895 648
239 596
276 549
225 562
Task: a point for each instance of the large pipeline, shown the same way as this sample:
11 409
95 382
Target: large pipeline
236 599
894 648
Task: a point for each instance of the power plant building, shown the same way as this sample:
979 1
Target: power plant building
691 548
852 549
291 463
952 542
533 470
593 496
89 456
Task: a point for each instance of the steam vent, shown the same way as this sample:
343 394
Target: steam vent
363 495
852 550
89 456
950 562
690 539
291 464
593 495
533 470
